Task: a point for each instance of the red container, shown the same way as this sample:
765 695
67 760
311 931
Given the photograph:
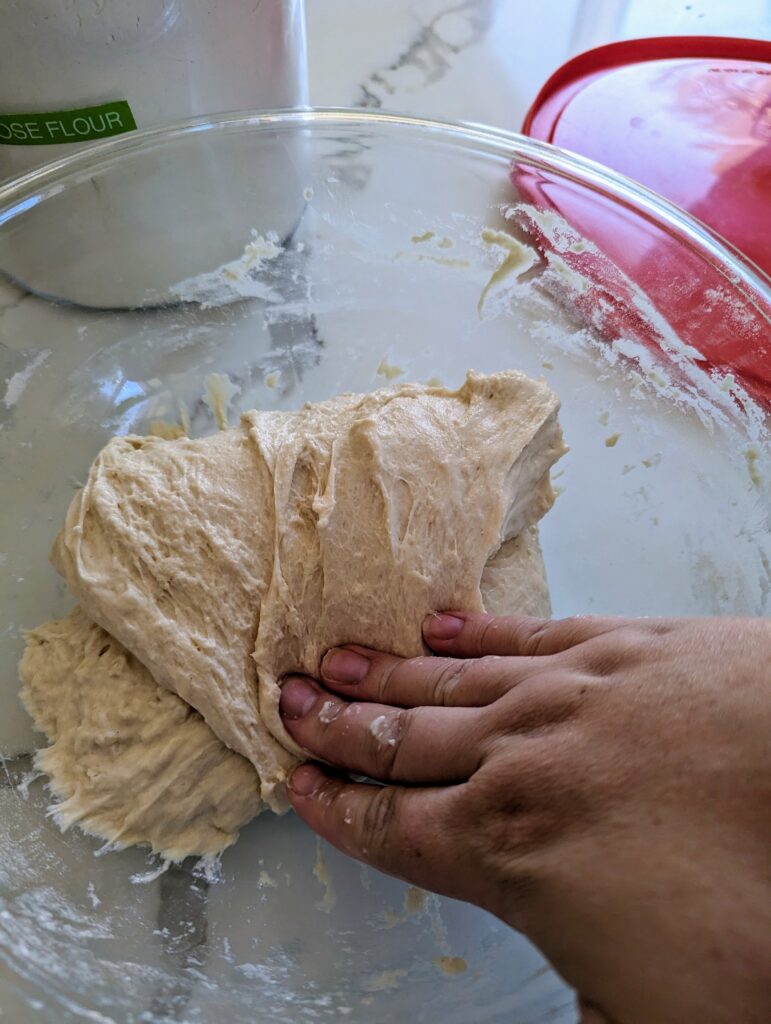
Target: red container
691 119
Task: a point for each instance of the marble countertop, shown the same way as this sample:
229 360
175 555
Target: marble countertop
485 60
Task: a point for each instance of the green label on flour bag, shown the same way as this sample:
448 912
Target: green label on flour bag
59 126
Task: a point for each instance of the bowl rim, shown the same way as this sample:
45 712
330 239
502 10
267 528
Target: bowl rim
19 194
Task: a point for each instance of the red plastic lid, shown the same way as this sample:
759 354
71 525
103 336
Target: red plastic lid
690 118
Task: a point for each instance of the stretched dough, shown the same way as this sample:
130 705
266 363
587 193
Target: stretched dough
223 563
128 760
133 763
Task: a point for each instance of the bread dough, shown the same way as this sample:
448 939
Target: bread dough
218 565
128 760
514 580
114 731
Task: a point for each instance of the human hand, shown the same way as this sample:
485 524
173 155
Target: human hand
602 785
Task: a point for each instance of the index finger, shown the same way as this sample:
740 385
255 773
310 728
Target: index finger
403 832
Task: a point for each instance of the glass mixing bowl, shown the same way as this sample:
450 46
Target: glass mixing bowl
177 276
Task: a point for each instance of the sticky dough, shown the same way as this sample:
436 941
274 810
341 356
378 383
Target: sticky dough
205 570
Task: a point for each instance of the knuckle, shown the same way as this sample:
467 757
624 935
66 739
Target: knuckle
575 632
484 636
611 654
538 638
377 819
386 679
552 701
394 676
498 675
503 633
448 679
604 661
385 734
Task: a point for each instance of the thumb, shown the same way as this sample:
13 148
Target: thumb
407 832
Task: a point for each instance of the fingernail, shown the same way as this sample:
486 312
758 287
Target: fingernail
345 667
443 627
297 697
305 779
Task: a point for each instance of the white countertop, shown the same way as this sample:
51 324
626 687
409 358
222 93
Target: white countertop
484 60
